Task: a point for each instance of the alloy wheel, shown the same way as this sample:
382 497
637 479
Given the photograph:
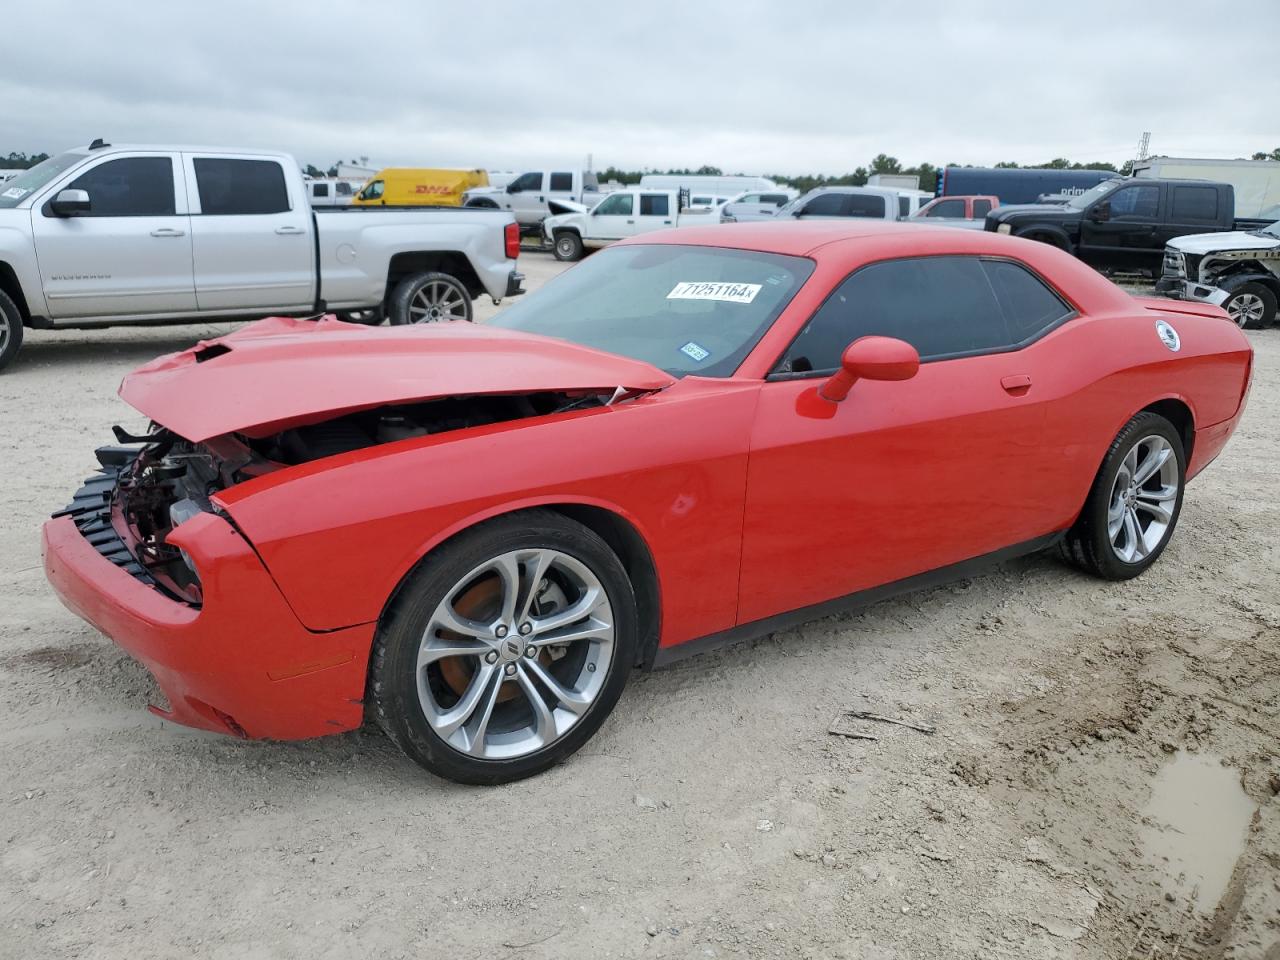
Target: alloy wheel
5 332
1246 309
1143 498
515 654
437 300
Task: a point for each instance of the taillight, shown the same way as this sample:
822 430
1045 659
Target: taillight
512 236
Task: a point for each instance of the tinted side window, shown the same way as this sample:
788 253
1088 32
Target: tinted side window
948 208
1195 203
981 208
239 187
562 182
864 205
825 205
343 189
942 306
527 181
129 187
654 205
1136 203
904 206
1029 305
319 189
618 205
777 199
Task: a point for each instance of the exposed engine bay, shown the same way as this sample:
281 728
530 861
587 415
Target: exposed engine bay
144 492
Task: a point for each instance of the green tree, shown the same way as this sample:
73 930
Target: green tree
1273 155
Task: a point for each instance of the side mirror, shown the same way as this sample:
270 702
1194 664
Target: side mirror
70 203
871 358
1101 211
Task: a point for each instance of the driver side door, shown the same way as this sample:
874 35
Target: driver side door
900 478
1128 237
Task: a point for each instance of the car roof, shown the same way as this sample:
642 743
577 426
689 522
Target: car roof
175 148
796 238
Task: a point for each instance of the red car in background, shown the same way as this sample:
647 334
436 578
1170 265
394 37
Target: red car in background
973 207
474 533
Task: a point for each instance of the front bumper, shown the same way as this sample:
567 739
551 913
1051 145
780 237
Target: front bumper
241 663
1179 288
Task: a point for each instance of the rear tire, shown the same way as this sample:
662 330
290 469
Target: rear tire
1134 504
429 298
1251 306
477 690
10 329
568 246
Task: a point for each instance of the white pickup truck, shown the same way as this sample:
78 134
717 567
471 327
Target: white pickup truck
528 196
623 213
107 235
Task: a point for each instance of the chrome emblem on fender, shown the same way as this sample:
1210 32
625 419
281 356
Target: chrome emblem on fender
1168 336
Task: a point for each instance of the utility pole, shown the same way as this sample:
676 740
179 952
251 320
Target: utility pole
1144 143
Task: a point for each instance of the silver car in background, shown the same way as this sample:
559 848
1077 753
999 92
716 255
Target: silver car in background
751 206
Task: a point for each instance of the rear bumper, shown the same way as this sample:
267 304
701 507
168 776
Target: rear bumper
242 664
515 284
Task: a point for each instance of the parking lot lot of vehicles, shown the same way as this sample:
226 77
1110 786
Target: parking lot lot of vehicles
111 235
1124 224
528 195
1053 697
623 213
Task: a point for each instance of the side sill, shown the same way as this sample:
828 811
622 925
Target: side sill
862 598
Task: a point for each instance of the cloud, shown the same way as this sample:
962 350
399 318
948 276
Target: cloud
804 86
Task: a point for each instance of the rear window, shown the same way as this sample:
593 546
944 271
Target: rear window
562 182
240 187
865 205
981 208
654 205
949 209
1195 203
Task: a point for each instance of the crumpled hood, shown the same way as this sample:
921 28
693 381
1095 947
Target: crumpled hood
280 372
1202 243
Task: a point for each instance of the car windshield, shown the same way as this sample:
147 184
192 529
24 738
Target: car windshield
684 309
13 192
1083 200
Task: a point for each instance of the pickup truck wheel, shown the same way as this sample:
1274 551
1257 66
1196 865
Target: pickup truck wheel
1251 306
430 298
568 246
10 330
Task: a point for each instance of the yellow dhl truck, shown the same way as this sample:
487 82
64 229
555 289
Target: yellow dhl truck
410 186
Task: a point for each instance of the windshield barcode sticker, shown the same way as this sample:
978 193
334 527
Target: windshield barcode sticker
726 292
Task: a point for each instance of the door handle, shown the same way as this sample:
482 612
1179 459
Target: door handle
289 231
630 221
1017 384
667 222
168 232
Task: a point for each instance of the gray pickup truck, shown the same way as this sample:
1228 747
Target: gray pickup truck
107 235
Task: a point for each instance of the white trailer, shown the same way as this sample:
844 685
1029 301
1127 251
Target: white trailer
713 186
1256 182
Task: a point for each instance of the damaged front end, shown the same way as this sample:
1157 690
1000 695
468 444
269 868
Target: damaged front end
1212 268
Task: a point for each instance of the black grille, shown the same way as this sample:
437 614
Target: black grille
90 508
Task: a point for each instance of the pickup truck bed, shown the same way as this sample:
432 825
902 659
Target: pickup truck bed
106 235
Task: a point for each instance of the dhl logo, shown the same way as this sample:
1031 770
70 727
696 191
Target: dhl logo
431 188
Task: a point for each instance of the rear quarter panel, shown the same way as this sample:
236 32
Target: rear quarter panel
340 534
356 247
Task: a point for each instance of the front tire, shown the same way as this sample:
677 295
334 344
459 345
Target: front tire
429 298
568 246
505 650
1134 504
1251 305
10 329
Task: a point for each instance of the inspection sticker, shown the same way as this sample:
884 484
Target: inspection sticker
14 193
698 353
727 292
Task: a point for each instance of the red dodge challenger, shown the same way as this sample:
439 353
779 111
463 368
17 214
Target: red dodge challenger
474 533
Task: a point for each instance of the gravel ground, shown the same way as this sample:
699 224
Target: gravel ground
1088 736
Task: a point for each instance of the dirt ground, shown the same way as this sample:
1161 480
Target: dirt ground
1101 783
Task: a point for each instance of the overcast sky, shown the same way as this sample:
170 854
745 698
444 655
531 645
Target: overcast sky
794 87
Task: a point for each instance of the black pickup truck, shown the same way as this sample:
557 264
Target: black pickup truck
1124 224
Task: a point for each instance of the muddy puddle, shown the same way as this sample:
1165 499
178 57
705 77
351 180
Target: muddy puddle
1195 828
